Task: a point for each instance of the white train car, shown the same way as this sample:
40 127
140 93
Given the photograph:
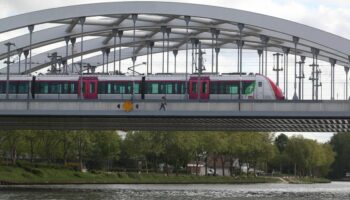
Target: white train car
176 87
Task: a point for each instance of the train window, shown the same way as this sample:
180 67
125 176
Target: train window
109 88
54 88
213 88
22 88
179 88
136 88
153 88
13 88
182 88
73 88
64 88
194 87
92 88
260 84
162 89
121 89
115 88
248 87
233 89
2 87
84 87
169 88
204 87
44 88
101 88
128 88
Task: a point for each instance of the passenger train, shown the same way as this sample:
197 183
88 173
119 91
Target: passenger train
211 87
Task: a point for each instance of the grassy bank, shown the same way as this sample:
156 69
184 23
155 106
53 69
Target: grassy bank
56 175
33 174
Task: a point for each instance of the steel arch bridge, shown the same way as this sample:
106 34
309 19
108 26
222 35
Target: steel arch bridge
124 30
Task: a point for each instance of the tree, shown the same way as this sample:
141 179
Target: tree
105 148
81 142
12 140
32 140
309 157
281 142
49 143
140 146
340 144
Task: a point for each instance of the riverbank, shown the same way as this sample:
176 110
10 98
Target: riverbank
59 175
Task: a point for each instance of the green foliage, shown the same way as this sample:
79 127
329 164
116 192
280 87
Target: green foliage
340 143
309 157
144 151
281 142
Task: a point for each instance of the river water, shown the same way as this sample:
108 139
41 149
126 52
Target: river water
334 190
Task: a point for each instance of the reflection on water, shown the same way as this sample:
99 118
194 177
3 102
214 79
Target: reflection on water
335 190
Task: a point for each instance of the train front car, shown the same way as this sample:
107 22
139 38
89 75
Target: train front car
267 89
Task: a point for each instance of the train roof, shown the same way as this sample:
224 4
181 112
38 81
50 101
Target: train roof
160 77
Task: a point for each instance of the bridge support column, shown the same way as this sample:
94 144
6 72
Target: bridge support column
168 31
295 41
66 39
120 35
286 51
19 51
82 21
240 28
314 73
175 52
114 33
147 58
346 82
107 50
264 40
134 18
72 41
103 50
8 62
238 53
318 78
31 29
196 47
163 29
212 31
187 21
25 53
151 45
332 61
277 69
300 77
217 50
193 40
240 45
260 52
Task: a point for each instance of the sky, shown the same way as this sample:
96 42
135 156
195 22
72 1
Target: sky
329 15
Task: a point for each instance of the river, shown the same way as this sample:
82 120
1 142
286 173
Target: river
334 190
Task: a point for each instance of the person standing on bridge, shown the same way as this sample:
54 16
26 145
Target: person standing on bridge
163 104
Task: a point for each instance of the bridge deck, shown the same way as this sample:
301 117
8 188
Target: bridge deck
299 116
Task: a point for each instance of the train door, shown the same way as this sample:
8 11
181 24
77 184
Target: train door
203 88
89 87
